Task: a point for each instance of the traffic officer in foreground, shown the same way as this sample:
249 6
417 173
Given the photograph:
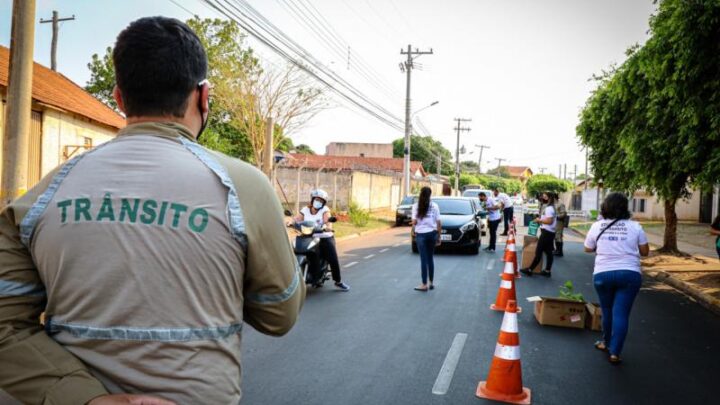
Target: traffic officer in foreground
147 254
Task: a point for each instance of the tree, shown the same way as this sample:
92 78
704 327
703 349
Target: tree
541 183
425 149
653 122
102 78
304 149
468 166
501 171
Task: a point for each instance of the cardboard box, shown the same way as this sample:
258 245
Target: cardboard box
528 253
594 317
559 312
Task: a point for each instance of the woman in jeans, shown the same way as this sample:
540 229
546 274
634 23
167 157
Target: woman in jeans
618 244
546 242
426 228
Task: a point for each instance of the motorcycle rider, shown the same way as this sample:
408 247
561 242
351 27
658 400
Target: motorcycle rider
318 212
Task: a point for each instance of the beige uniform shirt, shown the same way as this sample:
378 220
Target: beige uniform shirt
147 255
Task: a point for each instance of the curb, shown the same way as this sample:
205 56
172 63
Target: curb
705 300
359 234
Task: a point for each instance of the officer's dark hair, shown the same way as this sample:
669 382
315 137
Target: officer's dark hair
158 61
615 206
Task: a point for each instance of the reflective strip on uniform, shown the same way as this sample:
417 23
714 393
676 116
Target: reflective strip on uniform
506 284
276 298
14 289
509 323
237 221
144 334
507 352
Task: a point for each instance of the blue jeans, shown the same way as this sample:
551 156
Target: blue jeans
426 246
617 290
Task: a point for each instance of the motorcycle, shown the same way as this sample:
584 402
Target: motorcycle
313 266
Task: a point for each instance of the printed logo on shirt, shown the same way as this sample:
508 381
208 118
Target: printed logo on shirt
132 211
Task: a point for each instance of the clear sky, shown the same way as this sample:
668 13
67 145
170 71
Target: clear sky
518 68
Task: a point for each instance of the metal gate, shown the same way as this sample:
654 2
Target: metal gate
706 207
35 149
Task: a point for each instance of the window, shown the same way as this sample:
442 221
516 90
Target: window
87 142
638 205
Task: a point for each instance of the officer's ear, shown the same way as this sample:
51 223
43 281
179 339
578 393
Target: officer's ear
117 95
204 89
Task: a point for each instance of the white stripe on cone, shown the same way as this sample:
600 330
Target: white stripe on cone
507 352
506 284
511 247
509 268
510 323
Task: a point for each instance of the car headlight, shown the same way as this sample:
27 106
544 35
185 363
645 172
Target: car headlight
470 225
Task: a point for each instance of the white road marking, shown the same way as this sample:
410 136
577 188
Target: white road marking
369 257
350 264
397 244
445 376
491 264
384 250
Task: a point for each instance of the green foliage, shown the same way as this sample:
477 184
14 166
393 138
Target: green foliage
654 121
424 149
512 186
568 292
468 166
358 216
540 183
509 186
102 78
304 149
501 171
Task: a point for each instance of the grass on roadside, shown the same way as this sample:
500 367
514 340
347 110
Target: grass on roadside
347 228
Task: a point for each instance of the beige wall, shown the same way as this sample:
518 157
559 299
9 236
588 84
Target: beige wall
62 129
373 191
687 210
379 150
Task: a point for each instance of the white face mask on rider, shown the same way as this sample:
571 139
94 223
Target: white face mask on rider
317 204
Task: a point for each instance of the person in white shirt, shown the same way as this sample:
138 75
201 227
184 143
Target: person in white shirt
493 208
318 212
546 242
426 227
507 209
618 244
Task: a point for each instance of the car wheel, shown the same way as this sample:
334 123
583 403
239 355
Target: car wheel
414 248
474 249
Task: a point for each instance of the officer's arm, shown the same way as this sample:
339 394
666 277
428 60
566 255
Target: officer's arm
34 368
274 290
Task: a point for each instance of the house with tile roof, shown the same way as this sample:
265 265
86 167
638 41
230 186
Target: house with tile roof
522 173
66 120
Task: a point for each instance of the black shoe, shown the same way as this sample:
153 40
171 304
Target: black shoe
558 253
526 272
546 273
489 249
504 234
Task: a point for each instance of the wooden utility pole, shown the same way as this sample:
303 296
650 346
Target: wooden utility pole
55 21
482 147
459 128
268 154
19 102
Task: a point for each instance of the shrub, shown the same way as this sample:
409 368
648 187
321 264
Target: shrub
567 291
358 216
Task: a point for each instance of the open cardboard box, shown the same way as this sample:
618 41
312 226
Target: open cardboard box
594 317
559 312
528 253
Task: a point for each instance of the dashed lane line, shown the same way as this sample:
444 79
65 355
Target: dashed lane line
369 257
350 264
445 376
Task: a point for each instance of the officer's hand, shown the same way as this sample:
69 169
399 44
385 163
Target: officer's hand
127 399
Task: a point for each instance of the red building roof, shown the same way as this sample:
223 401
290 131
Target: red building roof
54 89
316 162
517 171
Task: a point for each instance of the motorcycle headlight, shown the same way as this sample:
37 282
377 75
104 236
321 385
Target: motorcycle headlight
306 230
470 225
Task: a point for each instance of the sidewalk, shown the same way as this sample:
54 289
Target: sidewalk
683 246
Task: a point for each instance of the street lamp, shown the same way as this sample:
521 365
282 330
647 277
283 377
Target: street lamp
406 161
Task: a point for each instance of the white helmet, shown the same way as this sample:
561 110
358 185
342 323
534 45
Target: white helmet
319 193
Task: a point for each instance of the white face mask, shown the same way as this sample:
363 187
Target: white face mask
318 204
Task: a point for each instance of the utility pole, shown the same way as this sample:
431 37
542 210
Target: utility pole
565 171
500 160
19 102
439 164
575 173
268 154
407 67
482 147
459 128
586 169
560 171
55 27
542 170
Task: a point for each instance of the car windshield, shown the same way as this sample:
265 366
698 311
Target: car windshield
408 201
474 193
454 207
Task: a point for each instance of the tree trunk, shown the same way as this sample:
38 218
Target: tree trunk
670 237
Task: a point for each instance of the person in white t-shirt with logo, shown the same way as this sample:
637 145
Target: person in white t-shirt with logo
507 209
618 244
493 208
318 212
546 242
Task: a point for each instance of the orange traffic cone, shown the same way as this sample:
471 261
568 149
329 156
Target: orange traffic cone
511 255
509 268
506 293
504 381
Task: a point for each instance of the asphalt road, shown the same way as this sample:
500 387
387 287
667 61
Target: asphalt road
383 343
